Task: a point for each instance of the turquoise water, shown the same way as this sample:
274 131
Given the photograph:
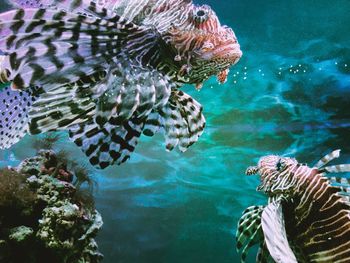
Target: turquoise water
289 95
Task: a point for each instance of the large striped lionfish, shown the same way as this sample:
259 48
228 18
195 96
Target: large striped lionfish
109 71
307 218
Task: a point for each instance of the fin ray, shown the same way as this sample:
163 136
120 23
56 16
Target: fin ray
327 158
64 47
181 120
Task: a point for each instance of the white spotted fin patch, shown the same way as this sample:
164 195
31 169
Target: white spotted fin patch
14 107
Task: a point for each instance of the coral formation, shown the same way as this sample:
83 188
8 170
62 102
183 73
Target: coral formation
43 214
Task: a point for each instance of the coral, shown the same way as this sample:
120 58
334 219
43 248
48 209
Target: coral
21 233
44 215
14 193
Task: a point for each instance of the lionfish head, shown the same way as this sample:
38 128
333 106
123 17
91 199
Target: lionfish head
202 46
271 168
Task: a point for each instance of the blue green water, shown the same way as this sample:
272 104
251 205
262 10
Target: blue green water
290 94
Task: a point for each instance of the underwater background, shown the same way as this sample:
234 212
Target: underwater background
289 95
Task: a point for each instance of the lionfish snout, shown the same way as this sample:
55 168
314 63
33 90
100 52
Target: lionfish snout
222 46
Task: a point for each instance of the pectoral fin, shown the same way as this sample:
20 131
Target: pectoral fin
273 226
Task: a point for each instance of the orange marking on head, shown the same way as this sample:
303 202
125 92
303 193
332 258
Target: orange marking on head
222 76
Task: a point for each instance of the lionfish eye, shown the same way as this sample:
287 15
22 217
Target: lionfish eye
201 15
280 165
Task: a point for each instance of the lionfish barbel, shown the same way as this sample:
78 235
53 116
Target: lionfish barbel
307 218
109 71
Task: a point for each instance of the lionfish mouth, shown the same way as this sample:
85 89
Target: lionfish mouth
230 54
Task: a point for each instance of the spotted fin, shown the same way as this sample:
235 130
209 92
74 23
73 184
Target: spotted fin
50 47
30 3
14 107
69 5
272 221
181 120
109 144
263 255
249 232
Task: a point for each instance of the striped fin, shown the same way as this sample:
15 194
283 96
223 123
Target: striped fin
263 255
14 107
341 182
60 108
249 232
107 145
147 12
74 6
272 221
158 13
326 159
49 47
132 91
4 74
181 120
340 168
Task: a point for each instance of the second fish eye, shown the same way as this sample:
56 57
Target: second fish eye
280 165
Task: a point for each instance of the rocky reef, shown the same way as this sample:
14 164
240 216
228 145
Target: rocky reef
45 214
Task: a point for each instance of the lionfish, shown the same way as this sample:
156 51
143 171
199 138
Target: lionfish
109 71
307 218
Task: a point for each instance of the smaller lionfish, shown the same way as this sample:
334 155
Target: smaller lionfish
307 218
109 71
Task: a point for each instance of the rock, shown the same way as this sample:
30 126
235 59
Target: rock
57 223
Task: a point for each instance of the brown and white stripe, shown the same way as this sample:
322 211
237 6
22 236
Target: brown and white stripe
313 210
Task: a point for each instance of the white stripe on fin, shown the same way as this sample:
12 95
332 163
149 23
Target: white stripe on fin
340 168
46 47
326 159
61 108
275 234
181 120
